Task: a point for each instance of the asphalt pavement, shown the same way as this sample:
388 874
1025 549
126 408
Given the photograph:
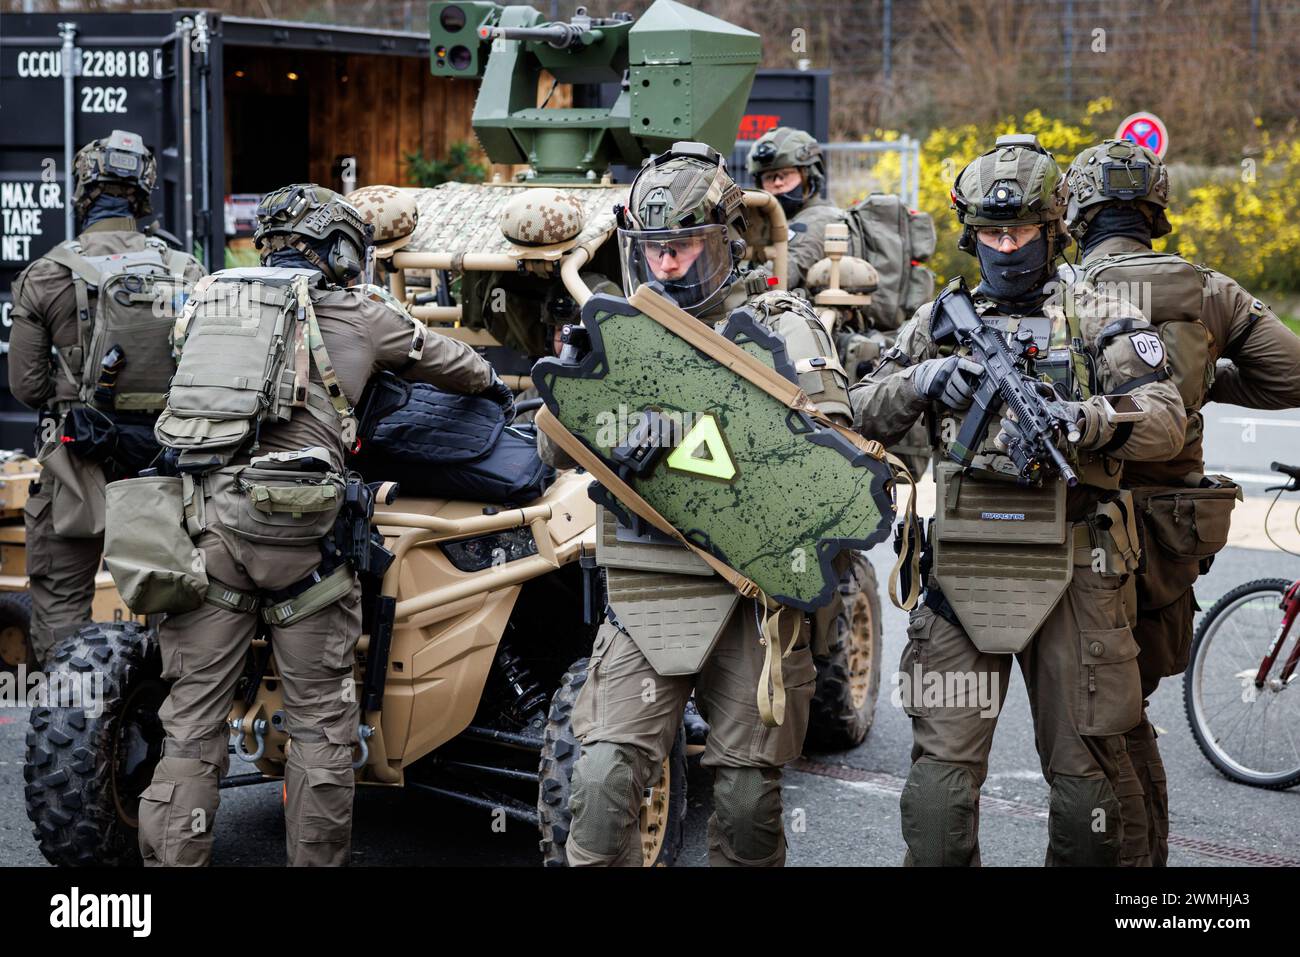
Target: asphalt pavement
841 809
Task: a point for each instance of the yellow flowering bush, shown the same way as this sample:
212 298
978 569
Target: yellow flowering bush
1244 222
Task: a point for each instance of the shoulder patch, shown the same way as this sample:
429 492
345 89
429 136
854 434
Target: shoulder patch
384 297
1149 348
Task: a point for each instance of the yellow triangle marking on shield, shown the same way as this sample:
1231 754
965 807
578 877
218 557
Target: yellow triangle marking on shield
703 452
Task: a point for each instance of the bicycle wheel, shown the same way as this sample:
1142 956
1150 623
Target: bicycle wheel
1250 733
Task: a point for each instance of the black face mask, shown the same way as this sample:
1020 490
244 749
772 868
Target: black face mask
792 201
1115 220
1015 276
290 258
107 206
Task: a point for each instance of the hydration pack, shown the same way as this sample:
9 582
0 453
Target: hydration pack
123 358
897 241
1170 292
251 337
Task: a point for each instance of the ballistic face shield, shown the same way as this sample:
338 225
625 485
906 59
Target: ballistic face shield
693 265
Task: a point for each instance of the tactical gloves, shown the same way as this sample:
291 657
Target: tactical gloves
502 395
1090 429
951 380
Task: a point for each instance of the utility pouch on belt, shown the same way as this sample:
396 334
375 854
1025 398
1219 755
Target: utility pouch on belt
284 507
147 550
76 491
1001 555
1191 523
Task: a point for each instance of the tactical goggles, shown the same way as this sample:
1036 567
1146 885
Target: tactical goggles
1020 234
673 248
287 203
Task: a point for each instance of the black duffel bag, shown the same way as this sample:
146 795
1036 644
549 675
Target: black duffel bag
444 445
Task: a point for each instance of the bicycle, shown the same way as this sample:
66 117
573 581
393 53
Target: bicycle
1240 691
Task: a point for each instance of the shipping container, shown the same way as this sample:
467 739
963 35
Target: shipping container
233 108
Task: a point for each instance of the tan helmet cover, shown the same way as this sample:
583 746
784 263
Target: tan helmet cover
391 211
856 276
542 220
119 164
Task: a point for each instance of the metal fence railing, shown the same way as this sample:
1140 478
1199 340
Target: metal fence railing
854 170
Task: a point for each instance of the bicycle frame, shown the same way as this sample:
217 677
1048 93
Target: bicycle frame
1290 605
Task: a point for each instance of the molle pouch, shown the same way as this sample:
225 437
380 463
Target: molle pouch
1190 524
1002 556
76 492
282 507
152 560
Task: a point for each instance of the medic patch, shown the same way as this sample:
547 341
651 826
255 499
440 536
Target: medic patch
1149 348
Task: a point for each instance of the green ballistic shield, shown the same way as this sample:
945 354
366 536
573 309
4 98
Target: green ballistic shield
710 432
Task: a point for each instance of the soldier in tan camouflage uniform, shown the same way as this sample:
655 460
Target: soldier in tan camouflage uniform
788 164
1224 345
363 330
1054 598
47 349
678 228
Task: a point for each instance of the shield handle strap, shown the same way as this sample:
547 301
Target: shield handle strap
577 451
909 551
771 681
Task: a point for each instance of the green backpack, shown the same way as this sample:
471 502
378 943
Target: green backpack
137 297
897 241
1170 292
250 336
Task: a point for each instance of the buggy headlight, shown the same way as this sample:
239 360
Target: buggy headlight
485 551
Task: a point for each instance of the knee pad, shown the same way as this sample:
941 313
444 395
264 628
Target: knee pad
940 811
605 796
746 827
1084 823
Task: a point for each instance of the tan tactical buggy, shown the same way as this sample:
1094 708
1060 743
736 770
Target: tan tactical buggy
467 684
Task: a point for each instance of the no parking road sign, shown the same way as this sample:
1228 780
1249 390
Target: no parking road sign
1145 129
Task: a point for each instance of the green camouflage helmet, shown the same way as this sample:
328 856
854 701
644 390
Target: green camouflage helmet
785 147
1015 183
683 206
687 186
302 216
119 165
1121 172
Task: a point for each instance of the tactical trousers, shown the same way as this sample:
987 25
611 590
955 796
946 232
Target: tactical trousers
627 716
61 573
1081 674
1164 636
203 653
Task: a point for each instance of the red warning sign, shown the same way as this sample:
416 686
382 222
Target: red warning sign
1145 129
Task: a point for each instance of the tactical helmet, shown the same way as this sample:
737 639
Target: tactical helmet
785 147
857 276
543 219
1015 183
119 165
683 205
1120 172
293 215
392 212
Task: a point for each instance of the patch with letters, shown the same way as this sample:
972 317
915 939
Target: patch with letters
1149 348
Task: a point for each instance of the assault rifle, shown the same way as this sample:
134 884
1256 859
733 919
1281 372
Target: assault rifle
1039 418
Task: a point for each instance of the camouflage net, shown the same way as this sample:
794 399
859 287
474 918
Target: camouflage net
466 217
